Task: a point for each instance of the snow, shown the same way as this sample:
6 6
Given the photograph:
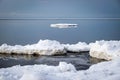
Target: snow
64 25
44 47
100 49
105 49
104 71
37 72
109 70
79 47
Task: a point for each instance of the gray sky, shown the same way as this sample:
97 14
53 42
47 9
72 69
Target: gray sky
59 8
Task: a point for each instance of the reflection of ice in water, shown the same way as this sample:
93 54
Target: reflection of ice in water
17 56
79 60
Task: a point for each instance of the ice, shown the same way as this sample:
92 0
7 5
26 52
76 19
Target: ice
37 72
64 25
109 70
64 67
105 49
79 47
100 49
44 47
32 76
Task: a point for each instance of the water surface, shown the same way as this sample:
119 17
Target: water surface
31 31
80 60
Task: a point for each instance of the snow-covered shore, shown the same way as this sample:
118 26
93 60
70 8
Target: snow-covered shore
102 71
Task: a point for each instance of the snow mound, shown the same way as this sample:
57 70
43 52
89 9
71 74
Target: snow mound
105 49
109 70
64 25
100 49
37 72
79 47
102 71
43 47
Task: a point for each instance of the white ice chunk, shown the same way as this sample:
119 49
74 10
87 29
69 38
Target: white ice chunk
105 49
43 47
64 25
79 47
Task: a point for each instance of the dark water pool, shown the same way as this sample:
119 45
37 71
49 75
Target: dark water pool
80 60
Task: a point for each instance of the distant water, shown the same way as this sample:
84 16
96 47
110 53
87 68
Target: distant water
31 31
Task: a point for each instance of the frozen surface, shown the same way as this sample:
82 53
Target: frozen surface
102 71
44 47
100 49
37 72
80 46
105 49
64 25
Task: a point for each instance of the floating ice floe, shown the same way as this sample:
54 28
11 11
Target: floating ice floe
64 25
44 47
105 49
102 71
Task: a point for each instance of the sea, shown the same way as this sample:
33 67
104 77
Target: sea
30 31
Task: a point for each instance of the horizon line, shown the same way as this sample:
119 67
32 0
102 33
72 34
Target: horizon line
59 18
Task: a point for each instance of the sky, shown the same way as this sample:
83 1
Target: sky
59 8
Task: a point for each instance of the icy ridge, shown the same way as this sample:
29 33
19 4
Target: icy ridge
44 47
109 70
100 49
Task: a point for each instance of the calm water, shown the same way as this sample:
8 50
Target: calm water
79 60
31 31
